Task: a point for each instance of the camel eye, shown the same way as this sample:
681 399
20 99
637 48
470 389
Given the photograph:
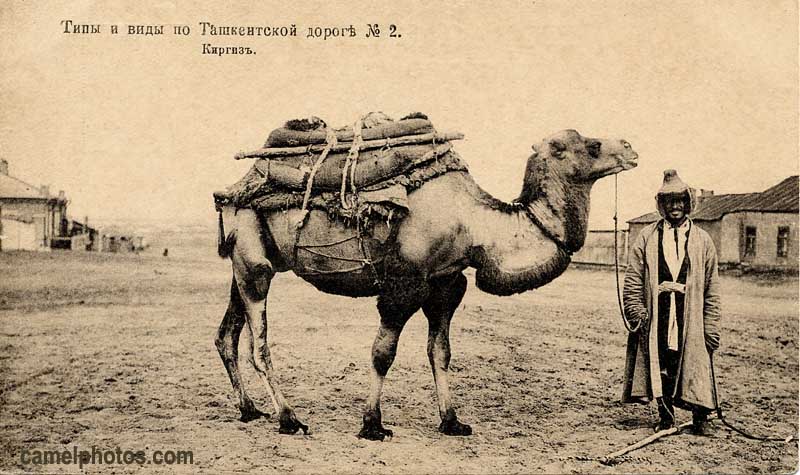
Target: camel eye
557 149
593 147
625 144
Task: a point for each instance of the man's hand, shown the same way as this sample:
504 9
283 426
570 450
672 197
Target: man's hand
712 344
637 320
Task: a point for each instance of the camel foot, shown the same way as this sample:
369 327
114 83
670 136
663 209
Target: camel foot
374 433
373 428
250 413
453 427
290 425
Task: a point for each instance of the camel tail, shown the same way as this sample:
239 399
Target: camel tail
224 242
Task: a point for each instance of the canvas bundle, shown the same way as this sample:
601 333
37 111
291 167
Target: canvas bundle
301 164
377 126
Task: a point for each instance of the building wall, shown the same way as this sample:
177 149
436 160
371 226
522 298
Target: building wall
49 219
36 210
766 250
599 248
81 242
18 236
714 230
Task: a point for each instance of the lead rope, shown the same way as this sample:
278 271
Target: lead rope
741 432
631 329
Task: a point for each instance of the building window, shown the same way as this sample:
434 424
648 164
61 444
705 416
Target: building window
750 241
783 241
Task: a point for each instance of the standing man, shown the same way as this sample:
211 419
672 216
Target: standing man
672 292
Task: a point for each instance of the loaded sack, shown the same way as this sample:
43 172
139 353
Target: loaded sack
355 173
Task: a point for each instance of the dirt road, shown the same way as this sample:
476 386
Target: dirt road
117 351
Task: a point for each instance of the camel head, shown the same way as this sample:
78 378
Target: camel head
571 159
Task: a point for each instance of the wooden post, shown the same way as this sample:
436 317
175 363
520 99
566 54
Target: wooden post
345 146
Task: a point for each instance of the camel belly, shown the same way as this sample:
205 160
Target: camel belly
329 255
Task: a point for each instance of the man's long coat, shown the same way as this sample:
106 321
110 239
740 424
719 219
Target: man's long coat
701 320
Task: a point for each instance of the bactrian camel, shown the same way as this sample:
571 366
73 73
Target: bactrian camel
452 224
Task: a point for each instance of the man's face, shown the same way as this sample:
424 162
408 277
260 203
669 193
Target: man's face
675 207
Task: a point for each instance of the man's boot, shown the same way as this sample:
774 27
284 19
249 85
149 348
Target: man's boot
700 423
666 414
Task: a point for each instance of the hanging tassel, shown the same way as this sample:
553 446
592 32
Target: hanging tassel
221 237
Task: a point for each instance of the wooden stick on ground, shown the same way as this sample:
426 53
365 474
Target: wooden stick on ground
610 458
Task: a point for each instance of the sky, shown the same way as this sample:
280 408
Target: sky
138 128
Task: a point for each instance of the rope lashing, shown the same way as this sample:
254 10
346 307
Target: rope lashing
330 142
350 163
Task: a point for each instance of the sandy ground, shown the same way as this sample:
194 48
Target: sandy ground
117 351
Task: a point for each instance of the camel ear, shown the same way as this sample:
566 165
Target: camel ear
535 151
557 149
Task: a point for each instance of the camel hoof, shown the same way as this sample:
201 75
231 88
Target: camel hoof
249 411
290 425
374 433
252 414
453 427
372 427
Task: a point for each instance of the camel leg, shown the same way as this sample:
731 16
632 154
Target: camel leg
395 309
446 295
227 342
253 273
257 321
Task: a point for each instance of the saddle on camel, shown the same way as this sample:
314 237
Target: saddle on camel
360 175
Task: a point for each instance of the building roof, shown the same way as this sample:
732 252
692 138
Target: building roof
11 187
781 198
82 226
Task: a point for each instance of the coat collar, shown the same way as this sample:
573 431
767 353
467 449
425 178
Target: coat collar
687 224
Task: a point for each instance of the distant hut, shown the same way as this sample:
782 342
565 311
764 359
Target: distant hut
750 230
83 237
114 239
30 217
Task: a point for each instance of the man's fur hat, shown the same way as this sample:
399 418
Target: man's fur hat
673 185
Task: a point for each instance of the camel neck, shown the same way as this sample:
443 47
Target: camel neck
511 252
549 227
563 215
521 246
